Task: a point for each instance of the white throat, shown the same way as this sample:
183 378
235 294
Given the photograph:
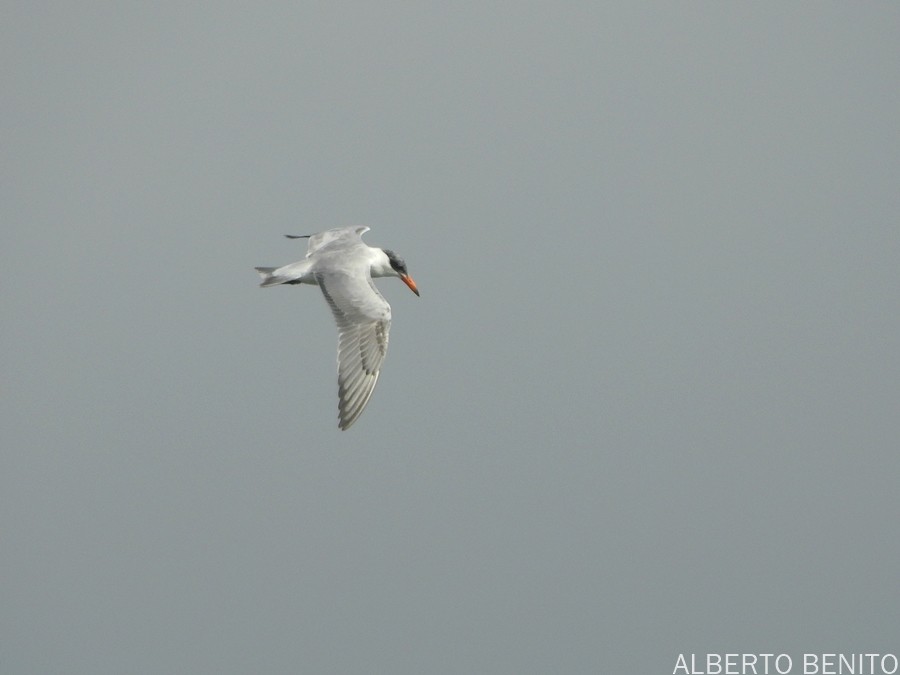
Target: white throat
381 265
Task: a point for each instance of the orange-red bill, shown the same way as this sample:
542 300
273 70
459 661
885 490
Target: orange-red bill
408 280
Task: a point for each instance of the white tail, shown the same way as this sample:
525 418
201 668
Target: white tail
267 276
295 273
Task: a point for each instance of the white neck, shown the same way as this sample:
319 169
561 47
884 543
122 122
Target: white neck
381 265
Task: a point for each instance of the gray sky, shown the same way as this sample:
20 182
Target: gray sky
646 404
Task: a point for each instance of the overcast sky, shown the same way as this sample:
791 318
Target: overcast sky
647 403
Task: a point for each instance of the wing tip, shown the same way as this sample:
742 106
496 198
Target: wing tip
352 403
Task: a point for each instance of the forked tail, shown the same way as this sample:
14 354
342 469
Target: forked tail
268 277
295 273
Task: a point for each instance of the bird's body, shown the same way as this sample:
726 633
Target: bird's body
343 267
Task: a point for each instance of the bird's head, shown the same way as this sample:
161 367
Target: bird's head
399 268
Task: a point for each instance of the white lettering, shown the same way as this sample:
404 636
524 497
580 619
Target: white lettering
810 664
850 665
765 664
731 664
787 668
694 670
748 661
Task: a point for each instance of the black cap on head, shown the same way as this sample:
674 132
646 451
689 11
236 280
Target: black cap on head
396 261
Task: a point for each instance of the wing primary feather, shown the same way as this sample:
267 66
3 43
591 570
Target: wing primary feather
363 318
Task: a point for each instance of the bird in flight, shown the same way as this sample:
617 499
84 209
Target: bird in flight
343 266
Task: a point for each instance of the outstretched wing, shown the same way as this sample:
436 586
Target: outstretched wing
322 239
363 319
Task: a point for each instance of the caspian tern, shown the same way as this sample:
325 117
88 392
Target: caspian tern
338 262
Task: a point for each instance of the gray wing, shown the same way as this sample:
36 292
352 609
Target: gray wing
322 239
363 319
